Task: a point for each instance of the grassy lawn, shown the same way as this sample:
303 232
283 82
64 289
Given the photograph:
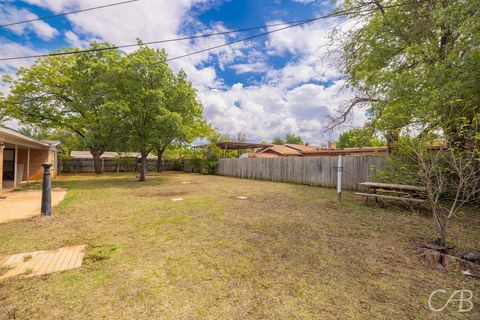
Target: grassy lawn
285 253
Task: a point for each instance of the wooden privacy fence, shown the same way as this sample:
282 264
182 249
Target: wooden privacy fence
316 171
87 165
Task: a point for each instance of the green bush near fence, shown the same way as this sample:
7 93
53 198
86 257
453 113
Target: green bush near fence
205 162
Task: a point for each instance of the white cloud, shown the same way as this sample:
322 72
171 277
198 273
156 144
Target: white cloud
74 40
10 14
294 98
13 49
266 111
257 67
308 38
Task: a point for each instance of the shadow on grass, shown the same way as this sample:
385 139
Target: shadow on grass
108 181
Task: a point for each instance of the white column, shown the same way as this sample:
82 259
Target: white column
28 163
339 179
15 167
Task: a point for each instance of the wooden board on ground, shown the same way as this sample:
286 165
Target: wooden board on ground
36 263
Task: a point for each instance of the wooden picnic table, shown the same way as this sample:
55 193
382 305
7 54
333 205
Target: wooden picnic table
401 191
392 186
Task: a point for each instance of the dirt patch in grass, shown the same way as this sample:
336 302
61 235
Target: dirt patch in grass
289 254
163 194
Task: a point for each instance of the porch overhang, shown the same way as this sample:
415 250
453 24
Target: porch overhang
9 137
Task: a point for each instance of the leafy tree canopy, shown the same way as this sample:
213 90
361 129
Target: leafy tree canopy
290 138
416 64
158 108
293 139
69 92
358 138
278 140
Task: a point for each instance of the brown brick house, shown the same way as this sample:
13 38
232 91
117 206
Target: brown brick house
21 157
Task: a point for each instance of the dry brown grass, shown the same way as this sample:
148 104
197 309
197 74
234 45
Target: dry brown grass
287 252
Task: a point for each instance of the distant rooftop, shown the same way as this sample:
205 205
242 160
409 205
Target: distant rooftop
232 145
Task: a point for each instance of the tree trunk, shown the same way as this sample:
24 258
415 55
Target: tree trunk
97 161
160 152
442 240
392 137
143 163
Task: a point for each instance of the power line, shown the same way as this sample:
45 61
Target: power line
290 24
236 41
295 24
206 35
66 13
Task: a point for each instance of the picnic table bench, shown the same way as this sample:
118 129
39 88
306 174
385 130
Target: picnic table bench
401 192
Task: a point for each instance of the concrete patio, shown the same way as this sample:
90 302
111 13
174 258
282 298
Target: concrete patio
26 204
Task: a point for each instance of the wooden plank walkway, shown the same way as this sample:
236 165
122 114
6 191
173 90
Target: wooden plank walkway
36 263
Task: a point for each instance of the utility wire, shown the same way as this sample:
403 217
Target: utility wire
290 24
205 35
66 13
236 41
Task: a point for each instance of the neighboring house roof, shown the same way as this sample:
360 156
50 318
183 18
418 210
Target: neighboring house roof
305 148
108 155
347 151
11 136
262 155
282 150
232 145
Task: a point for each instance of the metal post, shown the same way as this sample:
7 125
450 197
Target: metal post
339 179
47 191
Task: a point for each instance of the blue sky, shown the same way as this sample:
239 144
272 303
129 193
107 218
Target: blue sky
286 82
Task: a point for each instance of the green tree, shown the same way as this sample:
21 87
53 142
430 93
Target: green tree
293 139
359 138
3 108
158 108
278 140
69 92
239 137
143 79
183 119
70 141
413 64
